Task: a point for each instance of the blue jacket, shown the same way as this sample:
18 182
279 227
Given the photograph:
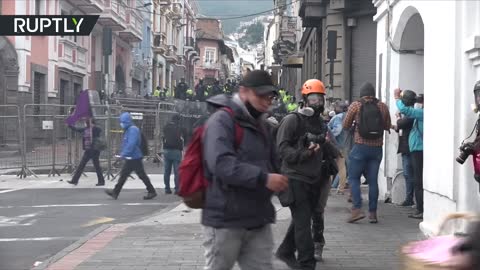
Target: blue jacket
237 196
131 138
335 127
415 139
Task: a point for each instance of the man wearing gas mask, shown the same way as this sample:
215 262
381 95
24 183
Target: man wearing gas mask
308 161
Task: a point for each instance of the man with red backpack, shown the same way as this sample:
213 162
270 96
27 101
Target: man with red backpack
239 163
372 118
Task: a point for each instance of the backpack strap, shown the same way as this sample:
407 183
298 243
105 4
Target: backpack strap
238 129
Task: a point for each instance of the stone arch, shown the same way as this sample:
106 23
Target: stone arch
8 72
410 17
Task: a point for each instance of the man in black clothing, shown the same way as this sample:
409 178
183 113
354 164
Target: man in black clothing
181 90
90 134
305 154
216 89
200 91
173 142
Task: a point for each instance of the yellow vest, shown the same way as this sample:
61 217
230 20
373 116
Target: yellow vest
156 93
292 107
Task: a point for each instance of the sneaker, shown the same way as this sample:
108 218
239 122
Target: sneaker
100 184
373 218
150 196
406 203
417 215
318 252
289 260
111 193
168 191
357 214
72 183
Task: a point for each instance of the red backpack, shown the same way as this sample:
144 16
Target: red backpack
193 182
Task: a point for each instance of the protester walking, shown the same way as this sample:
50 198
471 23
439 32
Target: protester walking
92 146
133 156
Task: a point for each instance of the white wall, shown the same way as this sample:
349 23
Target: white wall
448 84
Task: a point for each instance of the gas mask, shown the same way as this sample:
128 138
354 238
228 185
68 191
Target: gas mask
316 102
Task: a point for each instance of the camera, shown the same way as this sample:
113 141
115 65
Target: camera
315 138
466 149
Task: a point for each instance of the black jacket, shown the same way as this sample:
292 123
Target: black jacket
237 196
406 125
172 136
96 132
298 162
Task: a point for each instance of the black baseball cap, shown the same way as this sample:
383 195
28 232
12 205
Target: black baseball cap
260 81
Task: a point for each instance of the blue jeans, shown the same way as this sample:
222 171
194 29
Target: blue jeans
171 158
408 174
364 159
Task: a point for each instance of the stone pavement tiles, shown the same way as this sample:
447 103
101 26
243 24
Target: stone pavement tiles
173 241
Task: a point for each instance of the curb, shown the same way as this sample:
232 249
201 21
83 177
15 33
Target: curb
72 247
66 251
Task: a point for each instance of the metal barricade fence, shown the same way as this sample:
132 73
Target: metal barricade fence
11 157
47 140
40 140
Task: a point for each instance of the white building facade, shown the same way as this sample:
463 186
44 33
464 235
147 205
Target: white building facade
432 47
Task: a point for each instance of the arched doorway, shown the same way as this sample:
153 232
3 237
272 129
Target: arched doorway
408 45
8 72
411 46
9 133
120 80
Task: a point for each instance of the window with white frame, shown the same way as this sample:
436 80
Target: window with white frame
210 55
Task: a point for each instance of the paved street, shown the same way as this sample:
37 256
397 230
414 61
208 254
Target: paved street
163 234
40 217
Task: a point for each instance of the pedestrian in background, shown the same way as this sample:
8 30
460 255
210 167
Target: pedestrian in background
92 148
173 143
133 156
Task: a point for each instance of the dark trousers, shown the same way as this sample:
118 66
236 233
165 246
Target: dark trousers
94 155
318 218
299 234
417 164
130 166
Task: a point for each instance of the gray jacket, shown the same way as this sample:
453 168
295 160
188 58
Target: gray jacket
237 196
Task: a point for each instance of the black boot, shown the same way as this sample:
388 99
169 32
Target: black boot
318 225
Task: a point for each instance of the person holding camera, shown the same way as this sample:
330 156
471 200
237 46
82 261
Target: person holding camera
301 140
372 118
415 143
403 128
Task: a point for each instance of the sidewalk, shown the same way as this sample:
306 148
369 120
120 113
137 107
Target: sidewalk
173 240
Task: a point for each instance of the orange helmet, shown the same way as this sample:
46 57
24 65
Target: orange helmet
313 86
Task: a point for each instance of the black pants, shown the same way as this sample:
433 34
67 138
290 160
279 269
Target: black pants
417 164
318 220
130 166
299 234
94 155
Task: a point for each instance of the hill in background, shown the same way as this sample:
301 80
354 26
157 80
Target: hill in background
231 8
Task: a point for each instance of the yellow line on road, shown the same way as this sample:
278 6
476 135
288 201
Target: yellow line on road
97 221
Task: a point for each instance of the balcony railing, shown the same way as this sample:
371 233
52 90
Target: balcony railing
189 42
71 56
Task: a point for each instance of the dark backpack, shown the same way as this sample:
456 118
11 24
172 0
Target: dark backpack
193 181
144 145
371 124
